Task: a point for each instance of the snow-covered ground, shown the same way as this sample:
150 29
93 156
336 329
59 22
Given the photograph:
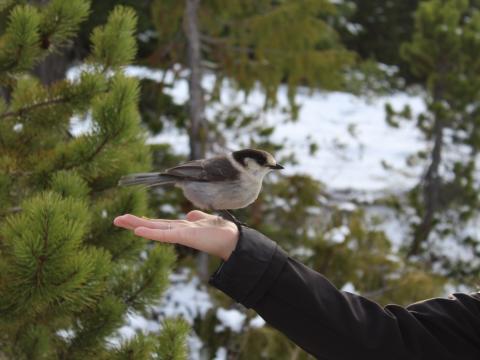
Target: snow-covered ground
354 141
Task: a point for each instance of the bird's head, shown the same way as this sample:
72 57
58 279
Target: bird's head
256 162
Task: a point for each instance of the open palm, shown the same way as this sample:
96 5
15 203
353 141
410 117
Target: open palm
201 231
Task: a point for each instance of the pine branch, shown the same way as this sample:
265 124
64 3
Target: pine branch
378 292
42 258
95 152
29 108
211 40
130 301
100 147
162 52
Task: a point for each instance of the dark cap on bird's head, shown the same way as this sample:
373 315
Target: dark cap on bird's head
261 157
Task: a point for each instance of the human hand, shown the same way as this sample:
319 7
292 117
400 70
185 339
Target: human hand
201 231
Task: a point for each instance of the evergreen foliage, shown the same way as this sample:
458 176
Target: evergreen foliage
68 277
444 50
375 29
248 42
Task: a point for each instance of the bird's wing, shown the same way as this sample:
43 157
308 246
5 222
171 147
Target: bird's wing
214 169
192 170
220 168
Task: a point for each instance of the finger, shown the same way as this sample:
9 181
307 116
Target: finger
120 222
131 222
157 220
214 241
183 236
166 236
196 215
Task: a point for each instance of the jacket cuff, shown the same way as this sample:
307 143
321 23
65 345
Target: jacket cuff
251 269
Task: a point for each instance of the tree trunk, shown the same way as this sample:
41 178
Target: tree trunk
196 106
432 182
53 68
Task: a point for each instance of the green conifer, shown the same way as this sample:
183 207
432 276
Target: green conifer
67 276
444 51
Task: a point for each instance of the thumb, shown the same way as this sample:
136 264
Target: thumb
196 215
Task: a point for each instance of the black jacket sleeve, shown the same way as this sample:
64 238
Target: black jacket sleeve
333 324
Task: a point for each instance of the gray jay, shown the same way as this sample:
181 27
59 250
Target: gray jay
223 183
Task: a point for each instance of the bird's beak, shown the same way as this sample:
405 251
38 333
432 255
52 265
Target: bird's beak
276 167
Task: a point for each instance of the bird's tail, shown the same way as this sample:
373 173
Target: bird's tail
148 179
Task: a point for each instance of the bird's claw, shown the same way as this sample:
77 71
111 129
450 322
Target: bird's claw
227 215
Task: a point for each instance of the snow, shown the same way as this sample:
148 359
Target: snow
354 28
80 125
349 287
195 346
347 206
67 334
167 208
185 297
18 127
354 141
394 225
230 319
257 322
302 252
134 323
337 235
221 354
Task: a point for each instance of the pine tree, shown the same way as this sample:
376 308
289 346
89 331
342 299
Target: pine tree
444 51
375 30
67 276
252 43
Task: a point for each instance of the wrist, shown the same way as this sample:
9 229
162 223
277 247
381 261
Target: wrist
230 242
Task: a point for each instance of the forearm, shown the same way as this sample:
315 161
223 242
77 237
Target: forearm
331 324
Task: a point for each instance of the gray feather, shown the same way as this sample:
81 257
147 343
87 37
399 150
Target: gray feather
214 169
148 179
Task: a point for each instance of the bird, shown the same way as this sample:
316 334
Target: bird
220 183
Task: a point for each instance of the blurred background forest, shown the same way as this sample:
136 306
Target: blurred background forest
372 106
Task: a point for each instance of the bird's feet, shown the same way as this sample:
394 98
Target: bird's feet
227 215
